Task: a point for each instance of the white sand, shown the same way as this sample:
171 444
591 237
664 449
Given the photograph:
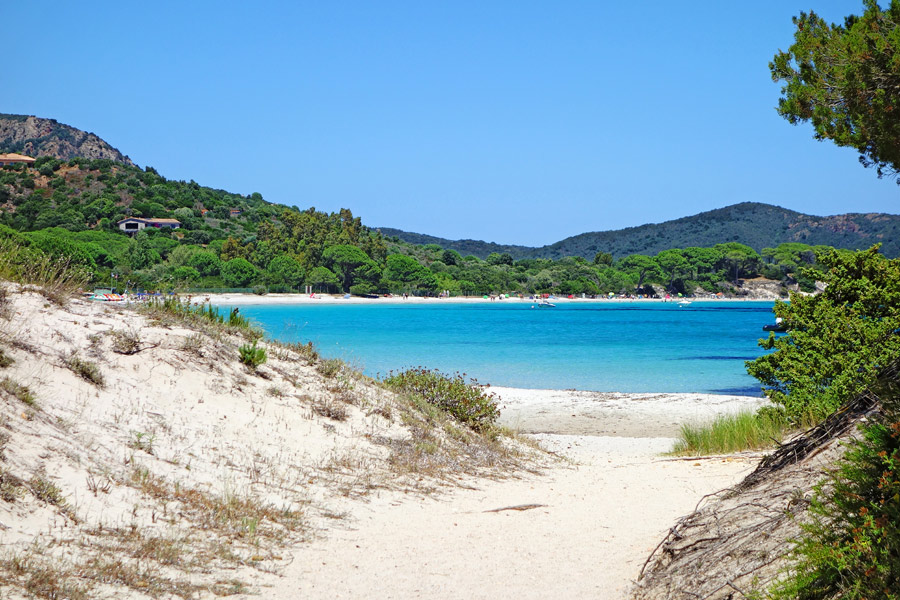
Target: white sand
234 299
613 414
602 516
219 428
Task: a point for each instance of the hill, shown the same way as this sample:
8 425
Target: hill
464 247
47 137
755 224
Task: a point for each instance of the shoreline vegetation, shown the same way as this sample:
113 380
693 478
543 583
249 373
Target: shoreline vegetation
226 241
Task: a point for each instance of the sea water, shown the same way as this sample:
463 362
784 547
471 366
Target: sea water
600 346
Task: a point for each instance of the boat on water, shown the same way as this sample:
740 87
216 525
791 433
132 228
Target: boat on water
684 302
545 304
778 326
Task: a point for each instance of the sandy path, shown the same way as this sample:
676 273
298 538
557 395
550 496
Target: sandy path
602 517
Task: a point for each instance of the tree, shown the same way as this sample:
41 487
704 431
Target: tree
206 263
284 270
238 272
839 340
495 258
641 266
322 279
672 263
140 254
845 80
450 257
345 261
738 259
603 258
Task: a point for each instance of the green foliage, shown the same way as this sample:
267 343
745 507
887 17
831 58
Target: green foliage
465 400
87 370
845 80
206 263
238 272
851 547
838 341
732 433
251 355
351 264
322 279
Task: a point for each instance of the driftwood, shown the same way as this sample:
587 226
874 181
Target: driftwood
516 507
737 540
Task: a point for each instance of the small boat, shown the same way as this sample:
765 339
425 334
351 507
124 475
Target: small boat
545 304
684 302
778 326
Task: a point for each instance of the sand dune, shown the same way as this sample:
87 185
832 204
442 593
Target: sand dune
140 458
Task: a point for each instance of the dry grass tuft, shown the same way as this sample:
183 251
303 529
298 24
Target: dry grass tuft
329 368
230 515
126 342
11 487
331 409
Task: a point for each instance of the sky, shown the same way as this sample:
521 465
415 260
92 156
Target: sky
519 122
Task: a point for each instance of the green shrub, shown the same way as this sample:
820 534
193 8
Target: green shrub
837 341
18 390
465 400
251 355
87 370
851 547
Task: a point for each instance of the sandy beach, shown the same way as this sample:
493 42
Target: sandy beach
307 299
177 411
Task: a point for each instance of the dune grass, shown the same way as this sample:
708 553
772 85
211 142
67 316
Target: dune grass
745 430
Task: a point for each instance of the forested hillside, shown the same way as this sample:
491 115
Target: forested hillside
751 223
34 136
68 210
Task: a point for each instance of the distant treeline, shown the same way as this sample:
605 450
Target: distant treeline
70 209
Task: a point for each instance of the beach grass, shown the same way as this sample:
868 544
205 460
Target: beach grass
745 430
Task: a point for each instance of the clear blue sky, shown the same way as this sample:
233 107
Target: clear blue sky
516 122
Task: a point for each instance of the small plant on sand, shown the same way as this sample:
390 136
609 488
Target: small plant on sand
87 370
126 341
331 409
11 487
732 433
46 491
465 400
18 390
142 441
330 367
5 359
206 314
251 355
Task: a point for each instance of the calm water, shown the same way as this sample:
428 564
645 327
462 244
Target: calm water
613 347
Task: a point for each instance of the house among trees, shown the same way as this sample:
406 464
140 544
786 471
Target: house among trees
135 224
15 159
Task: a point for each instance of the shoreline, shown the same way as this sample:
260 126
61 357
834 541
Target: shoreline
244 299
613 414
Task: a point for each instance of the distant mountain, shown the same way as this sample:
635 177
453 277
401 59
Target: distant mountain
47 137
752 223
464 247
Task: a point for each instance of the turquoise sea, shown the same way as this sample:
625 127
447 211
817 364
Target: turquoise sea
599 346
